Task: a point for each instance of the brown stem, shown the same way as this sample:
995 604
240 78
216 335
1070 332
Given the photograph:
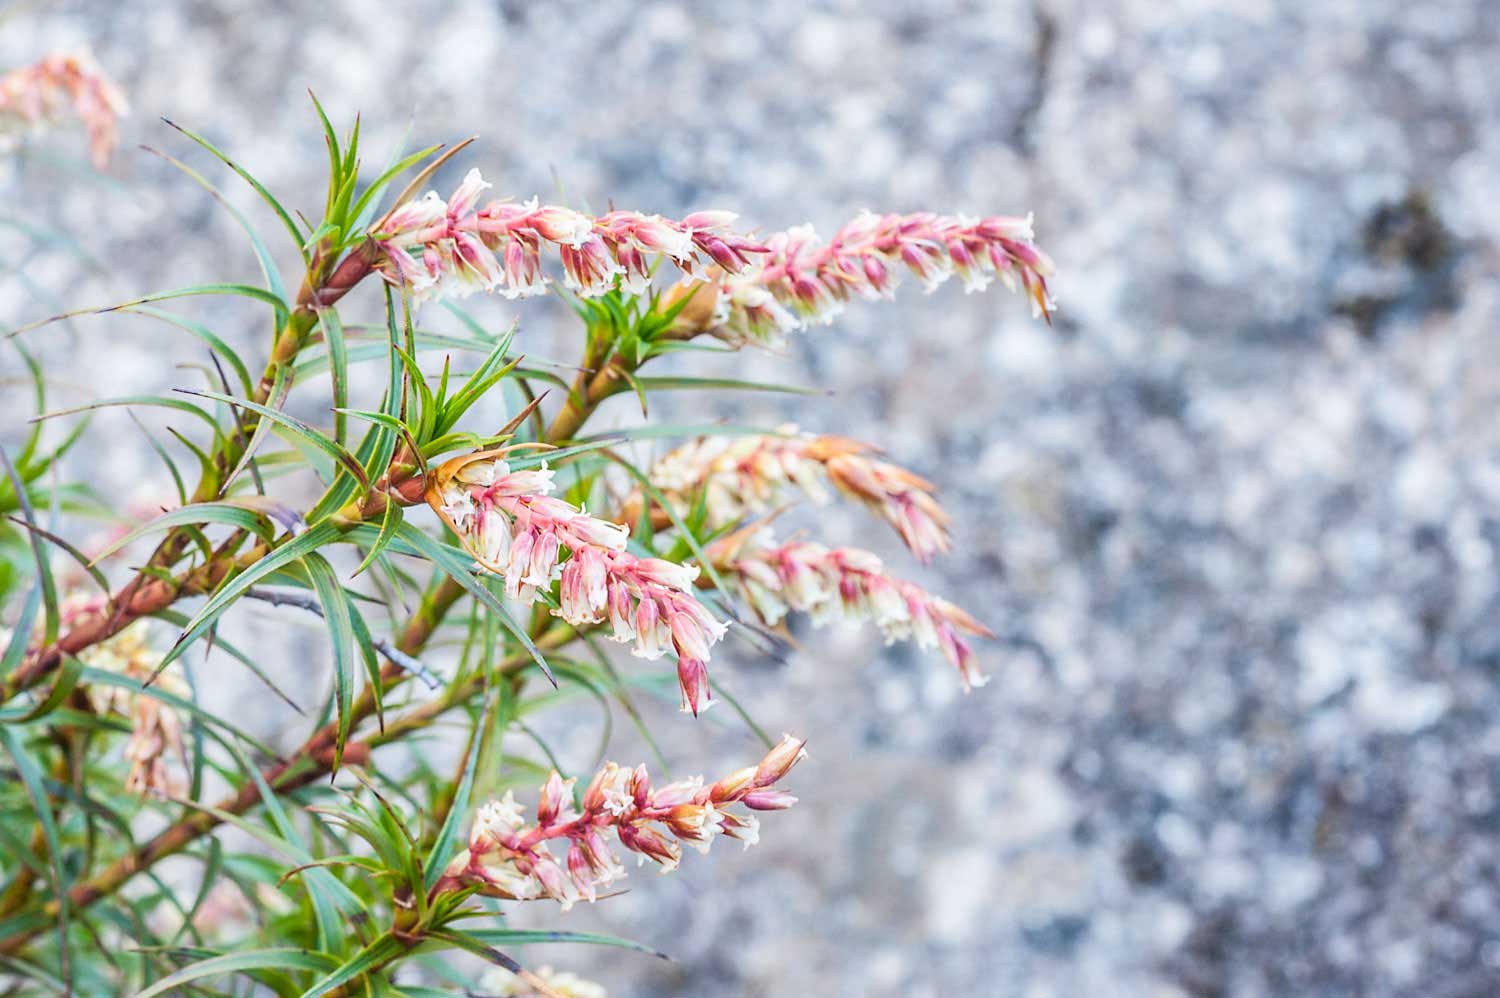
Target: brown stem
315 758
147 593
584 397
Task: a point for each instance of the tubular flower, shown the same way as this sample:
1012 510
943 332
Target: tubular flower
510 858
804 280
430 246
827 583
748 474
513 527
155 727
42 92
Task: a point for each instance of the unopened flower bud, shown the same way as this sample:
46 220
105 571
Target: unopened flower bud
779 761
551 799
768 799
733 786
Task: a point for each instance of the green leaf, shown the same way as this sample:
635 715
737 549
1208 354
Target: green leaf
291 551
227 512
281 213
66 682
20 635
379 952
315 437
31 779
268 267
234 963
203 333
519 937
473 944
458 809
336 612
242 290
390 522
39 553
338 358
96 576
335 158
329 896
161 452
147 400
455 567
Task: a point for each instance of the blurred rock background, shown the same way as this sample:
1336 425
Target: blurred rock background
1236 514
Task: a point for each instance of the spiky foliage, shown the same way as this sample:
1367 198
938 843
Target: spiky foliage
369 848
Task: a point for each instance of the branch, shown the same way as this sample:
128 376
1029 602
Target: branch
146 594
315 758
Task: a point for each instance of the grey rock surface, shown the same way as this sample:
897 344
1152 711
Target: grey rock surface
1236 515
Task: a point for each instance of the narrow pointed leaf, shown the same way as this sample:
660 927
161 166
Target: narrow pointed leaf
233 963
281 213
341 632
286 554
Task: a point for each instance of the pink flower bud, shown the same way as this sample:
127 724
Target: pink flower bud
550 800
733 786
621 612
768 799
581 872
640 786
779 761
652 844
656 571
466 196
561 225
648 636
692 676
700 221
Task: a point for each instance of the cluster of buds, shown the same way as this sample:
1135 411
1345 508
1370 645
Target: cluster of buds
545 983
740 475
512 526
827 583
802 280
60 82
508 857
430 246
155 727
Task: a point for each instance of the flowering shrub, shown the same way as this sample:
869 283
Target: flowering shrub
520 545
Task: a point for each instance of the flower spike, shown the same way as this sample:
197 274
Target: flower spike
802 280
748 474
509 858
431 246
41 92
827 583
512 526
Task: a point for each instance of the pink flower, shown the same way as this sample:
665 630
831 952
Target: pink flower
827 582
511 526
802 280
498 247
750 474
41 92
509 858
